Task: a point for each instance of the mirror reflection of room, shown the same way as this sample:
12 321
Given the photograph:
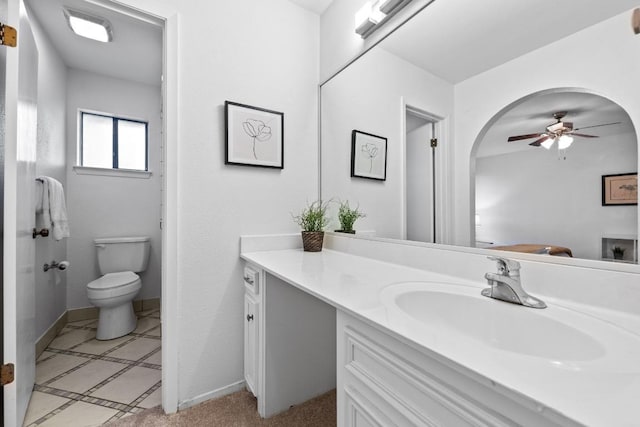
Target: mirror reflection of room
481 86
539 178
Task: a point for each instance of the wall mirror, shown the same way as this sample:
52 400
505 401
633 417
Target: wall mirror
471 75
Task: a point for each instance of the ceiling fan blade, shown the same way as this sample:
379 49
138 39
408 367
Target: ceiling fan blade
520 137
583 135
537 142
596 126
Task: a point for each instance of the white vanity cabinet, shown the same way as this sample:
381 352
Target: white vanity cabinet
383 381
289 343
251 327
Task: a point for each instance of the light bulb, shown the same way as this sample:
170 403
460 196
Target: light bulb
547 143
564 142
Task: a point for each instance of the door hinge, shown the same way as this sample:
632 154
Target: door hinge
6 374
434 142
8 35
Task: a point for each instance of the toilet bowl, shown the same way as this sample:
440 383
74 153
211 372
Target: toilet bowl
113 294
119 259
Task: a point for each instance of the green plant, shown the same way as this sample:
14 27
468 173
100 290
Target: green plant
313 217
348 216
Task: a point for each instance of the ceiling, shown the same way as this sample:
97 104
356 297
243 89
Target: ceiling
315 6
462 38
458 39
536 113
134 54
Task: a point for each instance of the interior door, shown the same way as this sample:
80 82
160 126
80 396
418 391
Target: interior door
20 104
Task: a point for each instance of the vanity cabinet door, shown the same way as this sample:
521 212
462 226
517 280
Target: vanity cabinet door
251 317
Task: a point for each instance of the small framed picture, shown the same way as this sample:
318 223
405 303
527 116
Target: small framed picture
368 156
620 189
253 136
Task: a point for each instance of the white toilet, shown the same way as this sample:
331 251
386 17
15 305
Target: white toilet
119 258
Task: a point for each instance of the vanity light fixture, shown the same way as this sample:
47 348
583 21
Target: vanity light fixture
367 18
374 13
389 6
89 26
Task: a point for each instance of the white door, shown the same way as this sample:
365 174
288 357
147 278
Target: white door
20 103
419 176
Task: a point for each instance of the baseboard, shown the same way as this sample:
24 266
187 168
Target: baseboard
50 334
223 391
146 304
87 313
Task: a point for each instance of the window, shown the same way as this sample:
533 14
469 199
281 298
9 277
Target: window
113 142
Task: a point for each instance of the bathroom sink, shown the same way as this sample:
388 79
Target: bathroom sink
454 312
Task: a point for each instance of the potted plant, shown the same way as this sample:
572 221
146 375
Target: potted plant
347 217
618 252
312 220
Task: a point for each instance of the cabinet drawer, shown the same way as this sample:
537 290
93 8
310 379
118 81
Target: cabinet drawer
252 280
407 386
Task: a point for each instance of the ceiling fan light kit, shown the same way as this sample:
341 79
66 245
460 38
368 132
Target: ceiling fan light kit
560 131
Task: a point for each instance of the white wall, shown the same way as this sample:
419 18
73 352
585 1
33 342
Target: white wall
111 206
349 102
604 59
533 197
258 53
51 287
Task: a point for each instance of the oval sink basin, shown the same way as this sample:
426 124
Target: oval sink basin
450 310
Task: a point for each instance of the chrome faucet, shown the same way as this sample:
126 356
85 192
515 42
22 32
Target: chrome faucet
506 286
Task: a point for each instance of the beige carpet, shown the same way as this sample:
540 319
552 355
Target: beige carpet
238 410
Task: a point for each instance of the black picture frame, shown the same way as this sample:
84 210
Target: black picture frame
368 156
254 136
620 189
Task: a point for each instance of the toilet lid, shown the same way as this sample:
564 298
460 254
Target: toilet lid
114 280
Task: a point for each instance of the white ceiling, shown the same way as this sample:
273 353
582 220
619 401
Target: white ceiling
458 39
134 54
315 6
536 113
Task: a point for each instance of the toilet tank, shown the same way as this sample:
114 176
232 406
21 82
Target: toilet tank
122 254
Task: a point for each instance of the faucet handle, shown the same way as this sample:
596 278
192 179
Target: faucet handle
506 265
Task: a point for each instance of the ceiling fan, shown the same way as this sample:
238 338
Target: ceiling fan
561 131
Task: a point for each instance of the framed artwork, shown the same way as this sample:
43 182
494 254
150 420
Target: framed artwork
620 189
368 156
253 136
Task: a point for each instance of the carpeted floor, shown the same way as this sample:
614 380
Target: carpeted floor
238 410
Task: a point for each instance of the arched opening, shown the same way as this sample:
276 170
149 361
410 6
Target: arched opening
537 190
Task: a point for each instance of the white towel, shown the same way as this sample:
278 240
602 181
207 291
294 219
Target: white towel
51 210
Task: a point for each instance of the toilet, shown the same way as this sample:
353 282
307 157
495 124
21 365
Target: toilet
119 259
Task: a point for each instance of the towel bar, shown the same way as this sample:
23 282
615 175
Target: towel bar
44 232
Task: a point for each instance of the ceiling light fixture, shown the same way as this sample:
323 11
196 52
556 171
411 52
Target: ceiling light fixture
89 26
564 142
547 143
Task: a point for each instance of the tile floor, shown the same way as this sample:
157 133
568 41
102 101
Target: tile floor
81 381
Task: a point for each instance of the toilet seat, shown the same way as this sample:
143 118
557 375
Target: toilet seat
114 285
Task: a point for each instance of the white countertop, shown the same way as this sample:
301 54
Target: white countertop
602 392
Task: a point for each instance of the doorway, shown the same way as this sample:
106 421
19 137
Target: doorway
156 171
420 160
